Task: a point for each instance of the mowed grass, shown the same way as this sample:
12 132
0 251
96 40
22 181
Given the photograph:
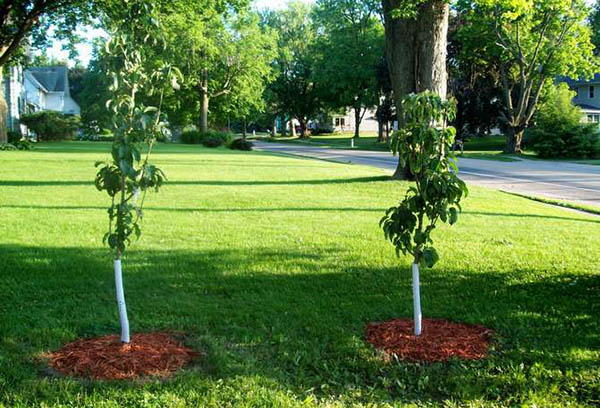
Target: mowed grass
272 266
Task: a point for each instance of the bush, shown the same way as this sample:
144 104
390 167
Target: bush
13 136
240 144
559 132
7 146
208 139
50 125
190 137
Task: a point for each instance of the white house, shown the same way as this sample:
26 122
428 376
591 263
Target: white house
47 88
35 89
14 95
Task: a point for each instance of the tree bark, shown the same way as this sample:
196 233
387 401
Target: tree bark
303 134
357 119
244 130
292 128
514 137
379 131
204 100
416 53
274 129
3 111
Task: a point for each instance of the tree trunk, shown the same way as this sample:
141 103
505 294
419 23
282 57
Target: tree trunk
121 302
274 129
3 111
357 122
204 99
416 52
514 137
292 128
387 131
284 127
416 298
380 137
303 134
244 130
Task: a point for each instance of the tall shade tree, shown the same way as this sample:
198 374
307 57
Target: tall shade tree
532 41
26 22
416 36
350 47
295 90
126 179
221 55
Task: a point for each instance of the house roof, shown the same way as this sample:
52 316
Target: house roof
571 82
54 79
588 108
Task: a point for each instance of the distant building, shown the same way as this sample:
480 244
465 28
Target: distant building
47 88
587 97
35 89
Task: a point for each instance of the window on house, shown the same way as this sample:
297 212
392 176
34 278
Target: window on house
593 118
591 91
337 121
590 118
342 121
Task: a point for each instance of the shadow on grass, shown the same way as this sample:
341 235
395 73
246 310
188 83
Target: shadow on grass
36 183
255 315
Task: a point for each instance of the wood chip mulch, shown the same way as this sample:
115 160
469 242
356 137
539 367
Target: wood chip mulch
440 340
106 358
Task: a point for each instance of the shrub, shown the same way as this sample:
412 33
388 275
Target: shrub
559 131
190 137
13 136
208 139
7 146
240 144
49 125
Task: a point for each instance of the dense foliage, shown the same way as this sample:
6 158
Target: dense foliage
531 42
559 131
424 146
51 125
208 139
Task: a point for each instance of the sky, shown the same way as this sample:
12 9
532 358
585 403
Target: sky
89 34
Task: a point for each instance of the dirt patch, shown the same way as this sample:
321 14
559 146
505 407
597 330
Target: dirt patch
148 354
440 340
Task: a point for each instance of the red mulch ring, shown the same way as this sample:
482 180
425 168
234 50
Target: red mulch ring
106 358
440 340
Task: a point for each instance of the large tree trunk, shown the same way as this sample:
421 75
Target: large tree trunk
303 134
416 53
380 131
514 137
292 128
204 99
274 129
357 122
3 111
244 130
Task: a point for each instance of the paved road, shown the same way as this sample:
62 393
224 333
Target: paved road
573 182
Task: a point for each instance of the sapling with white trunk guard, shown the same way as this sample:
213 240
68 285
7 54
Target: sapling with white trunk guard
129 175
423 145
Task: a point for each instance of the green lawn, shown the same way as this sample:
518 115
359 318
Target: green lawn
272 266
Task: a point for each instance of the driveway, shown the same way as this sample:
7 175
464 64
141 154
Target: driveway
578 183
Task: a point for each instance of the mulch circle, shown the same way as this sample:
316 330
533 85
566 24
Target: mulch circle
440 340
106 358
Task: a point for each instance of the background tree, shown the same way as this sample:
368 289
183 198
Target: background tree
424 145
295 90
26 22
220 54
475 84
350 45
416 36
532 42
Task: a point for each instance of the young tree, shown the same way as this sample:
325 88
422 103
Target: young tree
350 46
133 27
295 90
415 33
532 41
424 145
